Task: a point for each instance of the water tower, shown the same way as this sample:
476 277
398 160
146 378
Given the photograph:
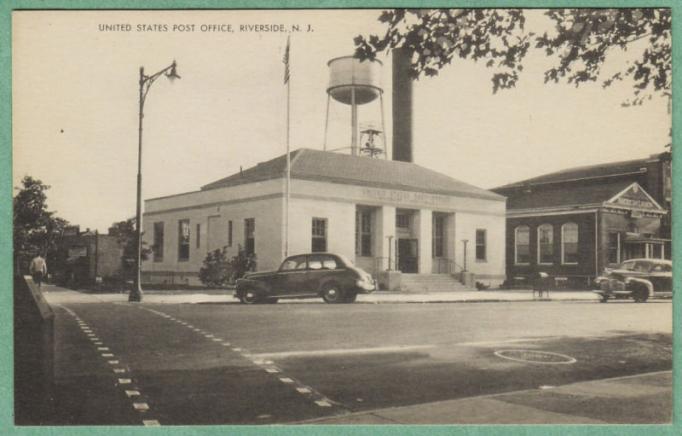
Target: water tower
353 83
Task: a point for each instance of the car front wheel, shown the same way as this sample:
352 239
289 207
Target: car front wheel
332 293
640 295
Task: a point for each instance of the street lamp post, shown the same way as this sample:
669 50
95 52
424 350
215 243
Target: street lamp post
145 83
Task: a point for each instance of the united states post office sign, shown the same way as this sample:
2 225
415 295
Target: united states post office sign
405 197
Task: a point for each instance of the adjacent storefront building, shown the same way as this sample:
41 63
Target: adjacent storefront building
574 223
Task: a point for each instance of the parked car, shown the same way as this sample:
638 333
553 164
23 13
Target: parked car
639 279
330 276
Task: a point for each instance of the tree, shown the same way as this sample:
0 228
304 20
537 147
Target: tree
127 238
36 230
580 42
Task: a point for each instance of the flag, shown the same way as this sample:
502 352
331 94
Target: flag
285 59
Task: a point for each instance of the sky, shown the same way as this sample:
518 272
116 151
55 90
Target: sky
75 106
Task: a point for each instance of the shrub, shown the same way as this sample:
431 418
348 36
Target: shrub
216 271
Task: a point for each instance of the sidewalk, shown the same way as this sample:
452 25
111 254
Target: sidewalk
216 296
637 399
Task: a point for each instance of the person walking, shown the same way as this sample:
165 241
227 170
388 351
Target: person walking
38 269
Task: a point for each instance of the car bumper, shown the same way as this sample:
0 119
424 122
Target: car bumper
364 287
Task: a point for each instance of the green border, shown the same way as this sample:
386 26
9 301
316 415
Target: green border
6 419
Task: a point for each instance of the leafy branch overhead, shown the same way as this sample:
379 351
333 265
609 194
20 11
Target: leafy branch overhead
579 42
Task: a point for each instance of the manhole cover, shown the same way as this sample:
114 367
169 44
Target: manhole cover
533 356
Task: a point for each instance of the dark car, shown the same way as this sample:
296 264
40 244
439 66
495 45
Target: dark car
639 279
330 276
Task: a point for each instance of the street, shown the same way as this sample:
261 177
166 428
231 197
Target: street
123 363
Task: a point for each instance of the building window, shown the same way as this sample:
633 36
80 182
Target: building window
363 233
614 247
157 249
545 244
569 243
481 244
319 236
198 235
438 230
522 245
402 221
229 233
183 240
249 235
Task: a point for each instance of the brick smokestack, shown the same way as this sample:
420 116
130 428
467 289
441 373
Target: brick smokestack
402 105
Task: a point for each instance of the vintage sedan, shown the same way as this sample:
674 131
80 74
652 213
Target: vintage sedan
330 276
639 279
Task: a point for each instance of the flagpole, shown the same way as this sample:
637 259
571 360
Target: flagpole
288 175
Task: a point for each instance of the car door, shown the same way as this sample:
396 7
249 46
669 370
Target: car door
292 276
323 268
661 277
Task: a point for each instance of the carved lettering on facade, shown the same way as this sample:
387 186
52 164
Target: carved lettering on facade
411 198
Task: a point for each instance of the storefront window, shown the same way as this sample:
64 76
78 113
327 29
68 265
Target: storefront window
158 242
183 240
198 235
522 245
614 247
481 244
545 244
249 235
363 233
569 243
319 236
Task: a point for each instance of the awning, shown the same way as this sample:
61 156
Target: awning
636 238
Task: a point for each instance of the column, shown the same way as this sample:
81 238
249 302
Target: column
451 241
423 228
385 227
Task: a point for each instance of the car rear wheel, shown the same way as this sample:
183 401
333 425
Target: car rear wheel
603 298
332 293
249 297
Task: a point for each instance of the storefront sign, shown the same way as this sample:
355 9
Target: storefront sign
636 198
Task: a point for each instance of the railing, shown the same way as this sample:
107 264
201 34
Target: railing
447 266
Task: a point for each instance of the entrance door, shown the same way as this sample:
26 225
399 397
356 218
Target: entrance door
407 255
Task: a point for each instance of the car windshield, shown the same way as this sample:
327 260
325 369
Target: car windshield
293 263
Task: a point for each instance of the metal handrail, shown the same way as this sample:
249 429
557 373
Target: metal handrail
451 267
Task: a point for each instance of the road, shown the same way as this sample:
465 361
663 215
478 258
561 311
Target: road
172 364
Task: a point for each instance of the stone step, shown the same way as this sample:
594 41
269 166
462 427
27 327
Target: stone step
430 283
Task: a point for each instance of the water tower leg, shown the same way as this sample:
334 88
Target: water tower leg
354 123
383 125
326 124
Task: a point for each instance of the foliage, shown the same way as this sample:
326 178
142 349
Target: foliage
579 43
36 230
218 271
126 237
